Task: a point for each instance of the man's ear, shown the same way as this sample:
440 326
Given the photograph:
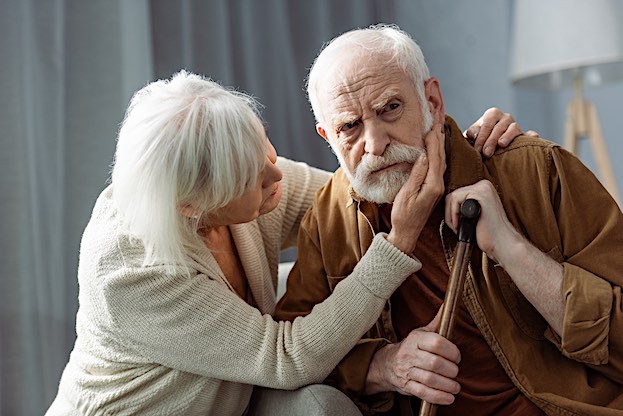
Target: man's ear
433 95
321 131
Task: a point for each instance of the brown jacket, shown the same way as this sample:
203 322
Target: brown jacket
555 202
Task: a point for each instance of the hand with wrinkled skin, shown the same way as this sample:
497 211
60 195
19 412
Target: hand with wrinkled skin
493 228
536 275
424 364
495 128
419 195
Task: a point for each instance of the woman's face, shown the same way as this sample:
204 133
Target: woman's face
257 200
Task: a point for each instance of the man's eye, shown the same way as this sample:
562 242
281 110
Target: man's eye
391 106
348 126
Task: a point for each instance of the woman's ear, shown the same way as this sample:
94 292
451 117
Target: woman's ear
188 211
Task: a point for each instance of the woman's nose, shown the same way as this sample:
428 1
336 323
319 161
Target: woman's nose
273 175
278 173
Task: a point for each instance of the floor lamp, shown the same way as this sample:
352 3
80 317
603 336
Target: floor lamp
571 43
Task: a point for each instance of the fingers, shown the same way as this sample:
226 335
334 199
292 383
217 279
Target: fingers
431 364
495 128
433 186
431 387
473 130
532 133
493 131
482 128
453 211
416 178
444 355
436 151
504 131
418 196
433 326
493 228
424 364
432 160
409 204
454 201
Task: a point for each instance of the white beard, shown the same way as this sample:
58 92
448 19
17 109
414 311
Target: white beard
382 188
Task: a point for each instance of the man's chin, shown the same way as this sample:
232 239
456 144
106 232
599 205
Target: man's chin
377 196
383 190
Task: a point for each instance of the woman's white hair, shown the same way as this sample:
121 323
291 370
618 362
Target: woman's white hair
388 40
184 142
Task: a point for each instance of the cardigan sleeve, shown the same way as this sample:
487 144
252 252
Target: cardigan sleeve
197 325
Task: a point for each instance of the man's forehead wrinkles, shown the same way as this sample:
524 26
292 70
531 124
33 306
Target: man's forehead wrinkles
347 86
349 108
357 91
346 107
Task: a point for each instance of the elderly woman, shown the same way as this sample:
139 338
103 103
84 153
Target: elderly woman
178 264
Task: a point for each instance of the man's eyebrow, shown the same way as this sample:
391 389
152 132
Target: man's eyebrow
386 97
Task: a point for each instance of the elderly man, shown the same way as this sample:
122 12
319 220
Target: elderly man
540 326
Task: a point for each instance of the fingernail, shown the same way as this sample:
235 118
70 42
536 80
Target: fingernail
488 151
478 148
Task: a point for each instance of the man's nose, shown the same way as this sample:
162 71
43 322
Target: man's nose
376 139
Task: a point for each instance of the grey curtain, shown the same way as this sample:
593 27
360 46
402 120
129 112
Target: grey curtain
67 71
69 67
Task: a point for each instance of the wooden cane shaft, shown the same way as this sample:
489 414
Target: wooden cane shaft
450 305
455 289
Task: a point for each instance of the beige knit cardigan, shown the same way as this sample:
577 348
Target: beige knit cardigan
152 342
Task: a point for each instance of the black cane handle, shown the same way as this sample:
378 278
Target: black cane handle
470 211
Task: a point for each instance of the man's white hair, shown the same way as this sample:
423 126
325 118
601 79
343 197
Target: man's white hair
186 141
386 40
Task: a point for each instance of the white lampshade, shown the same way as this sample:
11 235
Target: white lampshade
555 41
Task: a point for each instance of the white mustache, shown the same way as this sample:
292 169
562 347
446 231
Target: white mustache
394 153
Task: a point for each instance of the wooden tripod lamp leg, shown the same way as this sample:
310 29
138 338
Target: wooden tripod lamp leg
573 125
583 121
601 153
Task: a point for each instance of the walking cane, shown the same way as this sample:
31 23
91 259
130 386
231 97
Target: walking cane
470 211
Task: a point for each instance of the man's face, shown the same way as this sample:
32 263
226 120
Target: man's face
373 119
